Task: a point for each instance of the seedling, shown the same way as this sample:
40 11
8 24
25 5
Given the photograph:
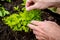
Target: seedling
3 12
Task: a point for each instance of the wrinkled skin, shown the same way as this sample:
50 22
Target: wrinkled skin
45 30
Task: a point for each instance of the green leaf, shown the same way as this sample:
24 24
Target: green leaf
3 12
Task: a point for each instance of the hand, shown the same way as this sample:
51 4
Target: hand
45 30
40 4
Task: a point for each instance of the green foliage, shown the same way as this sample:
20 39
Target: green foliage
16 8
23 4
3 12
18 22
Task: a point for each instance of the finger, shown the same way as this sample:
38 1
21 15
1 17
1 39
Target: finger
28 2
41 34
37 33
45 20
40 38
37 22
31 7
37 37
35 28
50 22
41 25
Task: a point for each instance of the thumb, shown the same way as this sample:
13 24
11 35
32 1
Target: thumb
31 7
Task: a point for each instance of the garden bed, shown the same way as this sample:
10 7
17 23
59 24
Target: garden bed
6 33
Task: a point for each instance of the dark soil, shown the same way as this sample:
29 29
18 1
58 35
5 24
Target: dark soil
7 34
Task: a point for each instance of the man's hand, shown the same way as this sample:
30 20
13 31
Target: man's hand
45 30
41 4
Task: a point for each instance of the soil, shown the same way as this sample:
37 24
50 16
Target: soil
7 34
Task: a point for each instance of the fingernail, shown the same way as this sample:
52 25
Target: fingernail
28 25
45 20
32 21
27 9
